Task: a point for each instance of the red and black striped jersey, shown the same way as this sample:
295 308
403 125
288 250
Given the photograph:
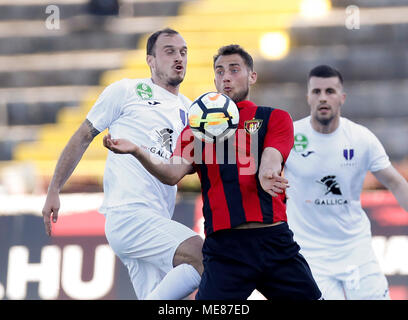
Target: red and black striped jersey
228 171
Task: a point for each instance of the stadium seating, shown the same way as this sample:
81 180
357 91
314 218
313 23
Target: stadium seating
372 59
50 77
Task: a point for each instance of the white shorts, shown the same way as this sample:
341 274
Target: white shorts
146 243
364 282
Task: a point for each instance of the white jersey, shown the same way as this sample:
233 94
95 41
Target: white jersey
152 118
326 174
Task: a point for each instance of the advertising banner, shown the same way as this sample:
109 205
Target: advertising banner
77 263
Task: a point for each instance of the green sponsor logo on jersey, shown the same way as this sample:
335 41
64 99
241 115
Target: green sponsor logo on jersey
301 142
144 91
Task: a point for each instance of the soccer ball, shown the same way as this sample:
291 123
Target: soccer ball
213 117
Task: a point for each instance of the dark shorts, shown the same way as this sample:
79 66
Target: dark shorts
238 261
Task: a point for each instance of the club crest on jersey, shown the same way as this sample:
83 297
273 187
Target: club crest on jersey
348 154
252 126
144 91
183 116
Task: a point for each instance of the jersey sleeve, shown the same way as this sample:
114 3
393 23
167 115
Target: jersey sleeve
378 158
108 105
280 134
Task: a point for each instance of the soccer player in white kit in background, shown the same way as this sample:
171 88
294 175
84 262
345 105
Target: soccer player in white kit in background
163 256
326 170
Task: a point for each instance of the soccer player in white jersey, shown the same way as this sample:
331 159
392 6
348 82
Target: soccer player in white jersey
163 256
326 170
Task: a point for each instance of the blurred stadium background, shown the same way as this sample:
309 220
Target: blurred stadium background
57 56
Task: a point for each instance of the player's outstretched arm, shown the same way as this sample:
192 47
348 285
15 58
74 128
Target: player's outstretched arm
167 172
396 183
66 164
269 172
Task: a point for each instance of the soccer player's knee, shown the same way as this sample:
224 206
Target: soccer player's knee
195 256
190 252
198 259
197 264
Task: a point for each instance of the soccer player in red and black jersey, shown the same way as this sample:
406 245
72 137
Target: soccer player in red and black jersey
248 242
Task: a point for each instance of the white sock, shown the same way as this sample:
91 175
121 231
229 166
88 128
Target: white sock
177 284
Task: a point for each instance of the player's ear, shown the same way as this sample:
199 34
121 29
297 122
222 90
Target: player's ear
309 103
252 77
149 60
343 98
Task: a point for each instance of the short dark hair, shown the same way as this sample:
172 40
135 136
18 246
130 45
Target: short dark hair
151 41
235 49
325 71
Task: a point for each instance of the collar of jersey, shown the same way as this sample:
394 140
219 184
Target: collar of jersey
245 103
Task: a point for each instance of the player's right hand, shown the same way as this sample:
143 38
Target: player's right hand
121 146
51 208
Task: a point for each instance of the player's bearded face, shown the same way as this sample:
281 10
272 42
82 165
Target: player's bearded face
170 74
240 95
170 60
325 98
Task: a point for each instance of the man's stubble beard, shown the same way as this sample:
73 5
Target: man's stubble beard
240 96
324 120
174 82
